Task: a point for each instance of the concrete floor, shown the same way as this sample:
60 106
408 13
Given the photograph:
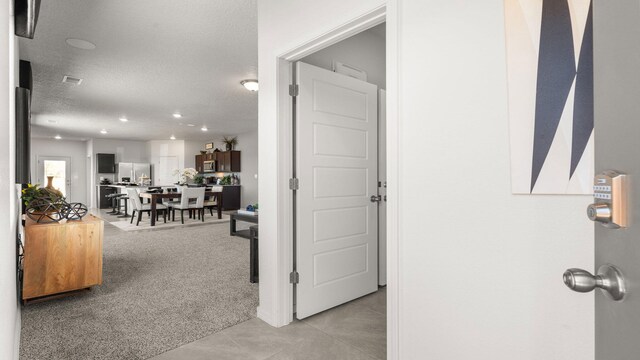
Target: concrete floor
353 331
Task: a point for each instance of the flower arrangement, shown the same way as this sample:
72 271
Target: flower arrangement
33 193
185 175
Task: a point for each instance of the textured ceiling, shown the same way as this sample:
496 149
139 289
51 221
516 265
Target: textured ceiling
153 58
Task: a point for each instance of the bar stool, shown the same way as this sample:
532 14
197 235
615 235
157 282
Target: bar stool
124 199
114 203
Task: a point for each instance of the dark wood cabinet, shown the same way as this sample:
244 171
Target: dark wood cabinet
231 197
104 202
200 163
228 161
106 163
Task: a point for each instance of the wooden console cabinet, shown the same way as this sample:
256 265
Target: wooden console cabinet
60 258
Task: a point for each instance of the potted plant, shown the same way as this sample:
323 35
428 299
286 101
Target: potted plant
43 204
230 142
226 180
198 179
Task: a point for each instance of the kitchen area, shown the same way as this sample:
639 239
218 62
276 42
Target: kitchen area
158 166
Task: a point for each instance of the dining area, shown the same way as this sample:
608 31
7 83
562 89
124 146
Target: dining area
167 203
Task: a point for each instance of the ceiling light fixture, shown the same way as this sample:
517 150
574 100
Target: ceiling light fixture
103 131
57 137
250 84
173 137
124 119
204 128
67 79
177 115
191 125
80 44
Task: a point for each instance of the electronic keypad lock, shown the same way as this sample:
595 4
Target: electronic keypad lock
610 200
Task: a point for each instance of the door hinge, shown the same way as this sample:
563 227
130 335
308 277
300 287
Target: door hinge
293 90
294 184
294 277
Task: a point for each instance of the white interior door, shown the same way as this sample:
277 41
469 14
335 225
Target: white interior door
336 165
382 187
60 168
166 166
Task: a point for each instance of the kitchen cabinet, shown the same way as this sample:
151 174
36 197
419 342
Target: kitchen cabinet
201 158
228 161
200 163
231 197
106 163
104 190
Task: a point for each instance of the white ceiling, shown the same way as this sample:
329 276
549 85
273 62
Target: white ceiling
153 58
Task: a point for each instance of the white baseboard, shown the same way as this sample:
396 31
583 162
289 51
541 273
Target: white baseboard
17 334
266 317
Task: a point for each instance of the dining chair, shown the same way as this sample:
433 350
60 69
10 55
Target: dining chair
212 201
186 205
140 208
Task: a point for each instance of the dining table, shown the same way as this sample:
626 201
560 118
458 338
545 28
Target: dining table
153 198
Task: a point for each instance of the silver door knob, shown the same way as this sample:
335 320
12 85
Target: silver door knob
609 279
599 212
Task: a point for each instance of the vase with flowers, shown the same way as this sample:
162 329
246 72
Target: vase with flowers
44 204
185 175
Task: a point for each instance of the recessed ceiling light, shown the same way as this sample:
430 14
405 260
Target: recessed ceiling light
204 128
250 84
57 137
51 121
172 137
190 125
103 131
177 115
80 44
124 119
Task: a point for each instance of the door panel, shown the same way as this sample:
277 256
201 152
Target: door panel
617 130
336 164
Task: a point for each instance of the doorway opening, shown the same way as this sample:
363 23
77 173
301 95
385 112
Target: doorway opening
58 168
339 170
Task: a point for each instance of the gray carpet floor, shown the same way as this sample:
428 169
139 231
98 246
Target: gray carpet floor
161 289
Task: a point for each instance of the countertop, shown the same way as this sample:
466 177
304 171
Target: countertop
148 186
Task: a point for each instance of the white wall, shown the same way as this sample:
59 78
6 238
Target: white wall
191 149
481 278
9 308
365 51
157 149
76 150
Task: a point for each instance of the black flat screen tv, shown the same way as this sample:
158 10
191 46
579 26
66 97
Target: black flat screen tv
23 135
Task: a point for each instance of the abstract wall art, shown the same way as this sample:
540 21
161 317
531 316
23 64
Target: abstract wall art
550 83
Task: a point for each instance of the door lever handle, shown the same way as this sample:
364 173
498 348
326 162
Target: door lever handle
609 279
